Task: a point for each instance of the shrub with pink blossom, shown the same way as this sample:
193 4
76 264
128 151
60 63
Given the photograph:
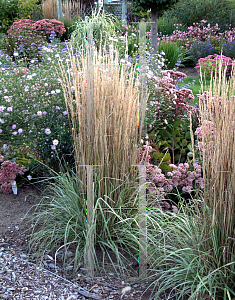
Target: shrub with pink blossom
211 64
23 41
201 32
26 37
8 173
50 26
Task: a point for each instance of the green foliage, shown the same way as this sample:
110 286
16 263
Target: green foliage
174 138
214 11
8 14
61 223
13 10
156 5
166 26
173 53
188 261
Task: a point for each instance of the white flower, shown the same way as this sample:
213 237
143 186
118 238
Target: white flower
47 131
20 130
53 147
2 108
9 109
16 54
57 91
29 177
52 92
55 142
39 113
7 98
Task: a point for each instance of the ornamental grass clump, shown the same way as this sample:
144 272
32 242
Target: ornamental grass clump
112 117
219 174
195 249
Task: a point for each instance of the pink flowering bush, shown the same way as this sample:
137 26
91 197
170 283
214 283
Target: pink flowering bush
8 173
210 65
167 115
23 41
201 32
183 176
50 26
27 37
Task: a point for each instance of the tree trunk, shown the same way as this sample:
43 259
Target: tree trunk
154 36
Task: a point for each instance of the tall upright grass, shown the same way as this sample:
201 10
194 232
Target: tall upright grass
49 9
112 143
71 9
194 250
218 110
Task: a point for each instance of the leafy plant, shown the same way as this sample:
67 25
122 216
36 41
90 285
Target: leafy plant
172 53
167 115
12 10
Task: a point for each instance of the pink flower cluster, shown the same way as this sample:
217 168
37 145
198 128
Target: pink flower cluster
200 32
210 64
20 71
166 101
208 129
49 25
8 173
44 27
180 176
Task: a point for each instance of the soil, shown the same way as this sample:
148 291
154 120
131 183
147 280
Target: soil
189 71
13 208
15 229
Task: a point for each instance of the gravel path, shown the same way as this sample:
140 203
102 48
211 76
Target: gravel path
21 279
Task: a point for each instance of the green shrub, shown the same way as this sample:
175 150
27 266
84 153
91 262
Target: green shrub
13 10
8 14
214 11
173 53
166 25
